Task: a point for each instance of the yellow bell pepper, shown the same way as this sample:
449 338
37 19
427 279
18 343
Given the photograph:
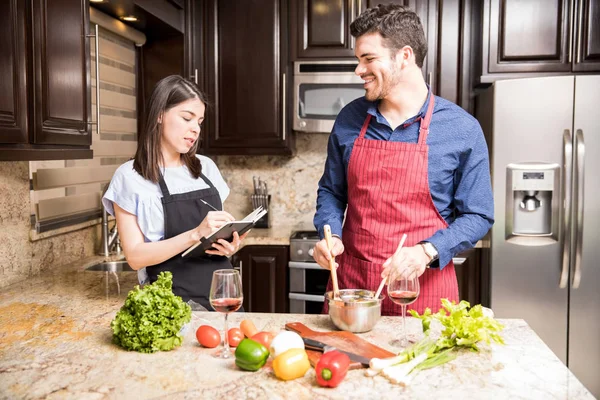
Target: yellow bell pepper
291 364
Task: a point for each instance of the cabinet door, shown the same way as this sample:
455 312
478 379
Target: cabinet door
61 72
13 72
247 79
587 37
264 278
321 28
527 36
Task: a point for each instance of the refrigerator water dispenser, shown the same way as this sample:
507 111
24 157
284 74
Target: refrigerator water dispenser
532 206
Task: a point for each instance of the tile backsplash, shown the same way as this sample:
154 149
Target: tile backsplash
21 258
292 181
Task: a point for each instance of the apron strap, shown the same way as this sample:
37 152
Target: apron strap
165 190
424 129
163 186
363 130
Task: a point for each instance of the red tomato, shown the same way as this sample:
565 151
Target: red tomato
208 336
235 336
263 338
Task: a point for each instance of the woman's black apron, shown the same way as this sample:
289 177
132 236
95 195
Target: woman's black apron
191 275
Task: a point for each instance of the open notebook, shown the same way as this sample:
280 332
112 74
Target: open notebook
225 232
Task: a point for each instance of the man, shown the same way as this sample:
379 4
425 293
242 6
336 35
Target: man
401 160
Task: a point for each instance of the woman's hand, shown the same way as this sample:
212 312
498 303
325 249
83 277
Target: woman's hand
211 223
224 248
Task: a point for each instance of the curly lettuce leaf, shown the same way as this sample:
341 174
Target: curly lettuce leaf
151 318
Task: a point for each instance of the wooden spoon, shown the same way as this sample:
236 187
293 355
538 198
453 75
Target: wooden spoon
336 289
382 284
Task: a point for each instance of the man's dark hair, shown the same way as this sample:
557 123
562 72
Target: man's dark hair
398 25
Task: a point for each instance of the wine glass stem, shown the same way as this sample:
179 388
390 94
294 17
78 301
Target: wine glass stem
225 335
405 342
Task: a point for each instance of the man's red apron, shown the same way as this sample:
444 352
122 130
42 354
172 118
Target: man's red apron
388 195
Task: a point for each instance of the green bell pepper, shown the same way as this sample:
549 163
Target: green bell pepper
251 355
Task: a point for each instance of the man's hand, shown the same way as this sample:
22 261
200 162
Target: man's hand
322 255
408 263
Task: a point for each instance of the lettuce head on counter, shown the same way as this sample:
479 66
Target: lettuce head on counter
151 318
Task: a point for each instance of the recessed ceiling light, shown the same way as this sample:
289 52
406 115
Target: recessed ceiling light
129 18
96 1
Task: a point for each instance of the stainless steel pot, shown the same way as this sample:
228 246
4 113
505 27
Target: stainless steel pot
356 310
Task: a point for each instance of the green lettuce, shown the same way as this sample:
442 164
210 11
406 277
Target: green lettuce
151 318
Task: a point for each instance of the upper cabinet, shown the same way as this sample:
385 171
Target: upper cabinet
540 36
45 83
587 51
321 28
245 74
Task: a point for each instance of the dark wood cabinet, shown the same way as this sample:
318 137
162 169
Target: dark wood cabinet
587 41
246 78
13 73
539 37
264 272
472 272
321 28
45 102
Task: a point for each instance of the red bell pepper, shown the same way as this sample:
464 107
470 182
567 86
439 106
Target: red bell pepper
331 368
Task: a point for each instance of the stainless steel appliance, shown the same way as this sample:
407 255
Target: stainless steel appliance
308 281
321 90
544 140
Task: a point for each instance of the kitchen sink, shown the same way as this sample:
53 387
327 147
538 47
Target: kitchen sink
111 266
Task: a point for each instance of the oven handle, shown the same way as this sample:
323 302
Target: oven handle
307 297
305 265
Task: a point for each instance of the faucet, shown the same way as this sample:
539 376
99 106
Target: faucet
111 244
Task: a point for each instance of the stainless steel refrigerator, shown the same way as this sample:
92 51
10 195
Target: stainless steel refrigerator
543 136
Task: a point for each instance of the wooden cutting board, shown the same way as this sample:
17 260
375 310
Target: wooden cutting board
342 340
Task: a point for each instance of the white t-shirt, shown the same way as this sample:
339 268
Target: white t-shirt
142 198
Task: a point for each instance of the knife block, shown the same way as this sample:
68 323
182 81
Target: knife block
265 201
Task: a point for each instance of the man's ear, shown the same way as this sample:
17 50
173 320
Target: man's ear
404 55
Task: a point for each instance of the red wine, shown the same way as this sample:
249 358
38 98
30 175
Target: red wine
227 305
403 296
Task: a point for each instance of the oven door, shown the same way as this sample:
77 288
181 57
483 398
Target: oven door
308 283
318 98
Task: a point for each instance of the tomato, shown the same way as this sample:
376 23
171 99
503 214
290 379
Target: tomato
263 338
208 336
247 326
234 336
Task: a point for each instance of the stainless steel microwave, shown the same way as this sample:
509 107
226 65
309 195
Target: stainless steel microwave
321 90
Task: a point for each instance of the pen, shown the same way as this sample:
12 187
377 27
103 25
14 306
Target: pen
212 208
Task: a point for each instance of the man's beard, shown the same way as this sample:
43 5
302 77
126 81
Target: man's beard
388 82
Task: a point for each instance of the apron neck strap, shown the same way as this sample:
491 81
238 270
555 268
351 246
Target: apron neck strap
165 190
424 129
363 130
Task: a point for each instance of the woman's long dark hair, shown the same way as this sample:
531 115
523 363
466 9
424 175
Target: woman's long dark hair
168 93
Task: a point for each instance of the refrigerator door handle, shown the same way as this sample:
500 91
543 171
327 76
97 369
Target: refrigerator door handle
578 191
566 195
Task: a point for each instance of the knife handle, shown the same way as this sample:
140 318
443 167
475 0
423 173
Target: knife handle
313 344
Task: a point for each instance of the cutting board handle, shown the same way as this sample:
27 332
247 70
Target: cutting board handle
299 328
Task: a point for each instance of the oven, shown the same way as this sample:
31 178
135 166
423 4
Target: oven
307 280
321 90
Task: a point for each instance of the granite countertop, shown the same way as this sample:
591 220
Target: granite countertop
55 342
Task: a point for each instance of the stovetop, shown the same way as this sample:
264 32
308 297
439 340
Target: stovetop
301 245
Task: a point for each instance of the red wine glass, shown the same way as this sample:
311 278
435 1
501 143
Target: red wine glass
403 291
226 297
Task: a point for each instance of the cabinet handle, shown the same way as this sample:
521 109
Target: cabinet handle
352 13
571 29
195 76
240 269
97 48
283 102
579 29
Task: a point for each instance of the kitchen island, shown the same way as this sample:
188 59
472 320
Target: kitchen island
55 342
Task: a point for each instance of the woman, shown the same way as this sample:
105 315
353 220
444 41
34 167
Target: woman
164 198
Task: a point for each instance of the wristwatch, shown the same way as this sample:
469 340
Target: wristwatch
431 252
